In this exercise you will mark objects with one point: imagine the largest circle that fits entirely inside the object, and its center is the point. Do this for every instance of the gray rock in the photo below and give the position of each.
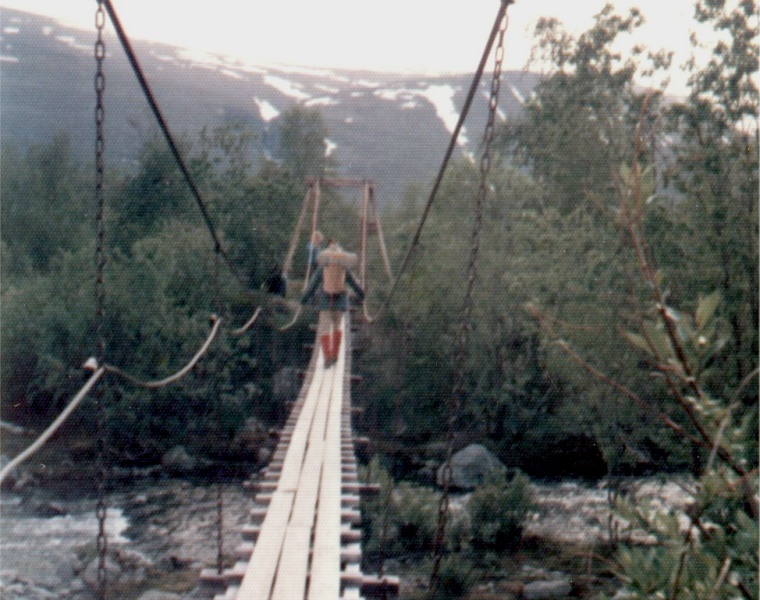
(263, 455)
(286, 384)
(159, 595)
(178, 461)
(471, 467)
(547, 590)
(250, 436)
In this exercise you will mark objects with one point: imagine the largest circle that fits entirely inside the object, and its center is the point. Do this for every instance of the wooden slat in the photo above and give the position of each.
(325, 571)
(291, 575)
(259, 576)
(307, 504)
(292, 572)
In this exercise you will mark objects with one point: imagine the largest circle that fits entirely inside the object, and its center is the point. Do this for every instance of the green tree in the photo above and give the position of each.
(576, 126)
(302, 143)
(44, 208)
(715, 175)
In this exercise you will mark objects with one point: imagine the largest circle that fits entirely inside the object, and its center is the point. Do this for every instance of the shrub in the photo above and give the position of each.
(455, 578)
(497, 512)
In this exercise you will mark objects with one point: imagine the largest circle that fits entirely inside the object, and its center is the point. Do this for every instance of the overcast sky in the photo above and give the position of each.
(426, 36)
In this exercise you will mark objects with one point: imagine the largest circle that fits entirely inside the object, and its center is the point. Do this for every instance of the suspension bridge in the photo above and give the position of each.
(303, 535)
(303, 540)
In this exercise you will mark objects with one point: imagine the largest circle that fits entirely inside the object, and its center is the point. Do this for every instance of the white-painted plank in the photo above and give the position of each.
(259, 575)
(291, 575)
(325, 571)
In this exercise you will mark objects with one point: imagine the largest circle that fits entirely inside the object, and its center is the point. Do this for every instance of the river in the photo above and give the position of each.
(163, 531)
(157, 529)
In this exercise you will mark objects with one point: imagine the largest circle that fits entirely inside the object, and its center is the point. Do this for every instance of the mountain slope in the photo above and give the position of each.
(392, 128)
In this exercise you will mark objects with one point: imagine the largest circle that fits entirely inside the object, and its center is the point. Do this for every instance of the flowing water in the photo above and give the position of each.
(159, 529)
(47, 538)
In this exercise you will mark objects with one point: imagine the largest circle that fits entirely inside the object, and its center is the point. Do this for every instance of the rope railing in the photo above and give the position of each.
(99, 371)
(179, 374)
(292, 321)
(54, 426)
(249, 323)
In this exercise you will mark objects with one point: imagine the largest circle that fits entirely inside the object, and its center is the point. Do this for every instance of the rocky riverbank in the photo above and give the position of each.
(163, 531)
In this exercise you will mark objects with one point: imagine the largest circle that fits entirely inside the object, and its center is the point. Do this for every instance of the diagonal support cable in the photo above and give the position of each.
(449, 151)
(165, 130)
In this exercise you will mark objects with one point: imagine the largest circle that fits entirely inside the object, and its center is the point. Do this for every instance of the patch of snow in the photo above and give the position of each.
(323, 101)
(391, 95)
(204, 60)
(366, 83)
(326, 88)
(8, 59)
(501, 114)
(348, 120)
(163, 57)
(231, 73)
(316, 72)
(516, 93)
(442, 99)
(11, 30)
(286, 87)
(357, 94)
(330, 147)
(266, 110)
(409, 105)
(47, 30)
(252, 69)
(72, 42)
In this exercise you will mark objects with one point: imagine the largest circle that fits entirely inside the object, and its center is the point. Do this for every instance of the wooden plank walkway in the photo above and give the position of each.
(305, 544)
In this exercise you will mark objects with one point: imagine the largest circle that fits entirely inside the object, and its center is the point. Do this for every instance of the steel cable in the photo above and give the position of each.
(454, 405)
(167, 134)
(447, 156)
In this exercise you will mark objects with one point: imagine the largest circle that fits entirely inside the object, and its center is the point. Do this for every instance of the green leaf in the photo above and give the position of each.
(706, 309)
(638, 341)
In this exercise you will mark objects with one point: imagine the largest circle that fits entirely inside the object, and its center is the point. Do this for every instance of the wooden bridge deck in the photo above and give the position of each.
(305, 545)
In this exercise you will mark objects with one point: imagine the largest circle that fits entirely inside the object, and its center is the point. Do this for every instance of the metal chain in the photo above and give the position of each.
(219, 529)
(100, 85)
(455, 402)
(217, 375)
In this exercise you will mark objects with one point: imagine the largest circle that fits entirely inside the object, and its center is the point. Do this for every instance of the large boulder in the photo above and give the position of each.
(286, 384)
(472, 467)
(178, 461)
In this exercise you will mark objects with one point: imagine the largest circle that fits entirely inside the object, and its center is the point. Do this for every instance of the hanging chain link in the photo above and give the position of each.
(219, 528)
(100, 261)
(454, 406)
(217, 375)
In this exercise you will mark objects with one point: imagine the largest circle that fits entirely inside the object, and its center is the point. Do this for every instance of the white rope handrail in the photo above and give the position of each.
(40, 441)
(293, 321)
(179, 374)
(249, 323)
(367, 317)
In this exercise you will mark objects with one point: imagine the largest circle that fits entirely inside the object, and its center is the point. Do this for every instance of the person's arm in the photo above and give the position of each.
(312, 287)
(354, 285)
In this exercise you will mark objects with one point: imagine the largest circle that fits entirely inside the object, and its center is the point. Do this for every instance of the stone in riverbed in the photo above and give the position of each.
(178, 461)
(472, 467)
(159, 595)
(547, 590)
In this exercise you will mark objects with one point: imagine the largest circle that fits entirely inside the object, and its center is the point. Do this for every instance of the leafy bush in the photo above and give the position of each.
(497, 512)
(455, 578)
(403, 518)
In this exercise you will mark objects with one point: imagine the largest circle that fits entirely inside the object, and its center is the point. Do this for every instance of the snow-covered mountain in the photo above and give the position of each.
(388, 127)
